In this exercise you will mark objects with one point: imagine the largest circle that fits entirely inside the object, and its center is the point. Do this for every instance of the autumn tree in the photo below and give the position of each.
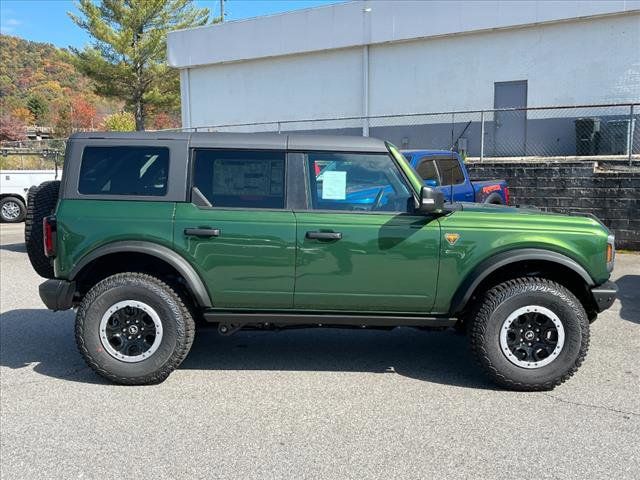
(45, 77)
(128, 58)
(163, 121)
(11, 128)
(82, 113)
(120, 122)
(62, 126)
(23, 115)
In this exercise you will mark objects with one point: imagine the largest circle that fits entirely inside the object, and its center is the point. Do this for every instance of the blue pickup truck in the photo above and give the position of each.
(446, 171)
(441, 169)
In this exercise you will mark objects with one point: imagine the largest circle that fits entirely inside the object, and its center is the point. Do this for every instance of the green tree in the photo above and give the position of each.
(120, 122)
(62, 126)
(128, 58)
(38, 108)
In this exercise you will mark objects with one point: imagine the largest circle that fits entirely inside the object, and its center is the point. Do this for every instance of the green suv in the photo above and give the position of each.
(151, 234)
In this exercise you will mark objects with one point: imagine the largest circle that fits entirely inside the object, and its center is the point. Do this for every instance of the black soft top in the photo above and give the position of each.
(263, 141)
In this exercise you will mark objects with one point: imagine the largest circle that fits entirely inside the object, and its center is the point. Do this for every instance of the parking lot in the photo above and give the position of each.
(309, 403)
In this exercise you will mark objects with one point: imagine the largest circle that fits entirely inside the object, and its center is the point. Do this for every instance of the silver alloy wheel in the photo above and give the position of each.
(532, 337)
(10, 210)
(130, 331)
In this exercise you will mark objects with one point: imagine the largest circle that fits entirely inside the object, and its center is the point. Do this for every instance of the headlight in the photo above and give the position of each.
(611, 252)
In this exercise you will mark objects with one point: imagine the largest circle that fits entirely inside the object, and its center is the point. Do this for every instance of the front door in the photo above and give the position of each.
(236, 232)
(510, 126)
(358, 248)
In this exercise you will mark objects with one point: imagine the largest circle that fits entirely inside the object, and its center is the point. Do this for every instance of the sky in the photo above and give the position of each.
(47, 20)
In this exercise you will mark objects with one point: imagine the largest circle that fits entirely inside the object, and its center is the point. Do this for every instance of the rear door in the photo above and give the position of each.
(359, 248)
(236, 231)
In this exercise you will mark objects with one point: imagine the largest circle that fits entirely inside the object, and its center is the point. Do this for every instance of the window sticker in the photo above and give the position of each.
(334, 185)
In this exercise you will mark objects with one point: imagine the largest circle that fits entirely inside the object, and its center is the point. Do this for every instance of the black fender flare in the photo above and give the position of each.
(194, 282)
(491, 264)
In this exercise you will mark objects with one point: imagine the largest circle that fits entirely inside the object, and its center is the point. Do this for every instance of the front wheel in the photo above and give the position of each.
(529, 334)
(133, 329)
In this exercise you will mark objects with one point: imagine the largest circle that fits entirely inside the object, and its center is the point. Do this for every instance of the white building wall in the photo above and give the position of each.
(356, 23)
(315, 85)
(590, 61)
(423, 57)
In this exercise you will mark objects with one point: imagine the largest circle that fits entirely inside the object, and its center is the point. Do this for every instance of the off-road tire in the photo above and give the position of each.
(41, 205)
(177, 324)
(21, 206)
(498, 303)
(28, 220)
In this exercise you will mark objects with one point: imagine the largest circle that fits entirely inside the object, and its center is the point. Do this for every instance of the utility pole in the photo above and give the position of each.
(221, 11)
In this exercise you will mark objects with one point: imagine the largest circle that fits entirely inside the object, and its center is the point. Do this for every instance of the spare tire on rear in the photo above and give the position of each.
(43, 203)
(28, 220)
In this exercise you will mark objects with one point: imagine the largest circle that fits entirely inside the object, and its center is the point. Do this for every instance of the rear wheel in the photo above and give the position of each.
(42, 205)
(530, 334)
(133, 329)
(12, 210)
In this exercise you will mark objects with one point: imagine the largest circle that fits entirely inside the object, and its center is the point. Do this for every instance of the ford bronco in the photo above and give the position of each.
(150, 234)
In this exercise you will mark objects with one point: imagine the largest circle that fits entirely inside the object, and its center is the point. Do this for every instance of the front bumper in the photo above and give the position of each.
(604, 295)
(57, 294)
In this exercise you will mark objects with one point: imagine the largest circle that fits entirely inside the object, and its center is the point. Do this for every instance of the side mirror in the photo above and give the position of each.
(431, 183)
(431, 200)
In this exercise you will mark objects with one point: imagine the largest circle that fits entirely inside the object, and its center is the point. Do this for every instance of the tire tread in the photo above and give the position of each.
(498, 294)
(185, 330)
(41, 205)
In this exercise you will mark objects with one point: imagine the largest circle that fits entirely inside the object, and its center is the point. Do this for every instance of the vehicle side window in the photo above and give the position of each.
(427, 169)
(358, 182)
(240, 178)
(140, 171)
(450, 171)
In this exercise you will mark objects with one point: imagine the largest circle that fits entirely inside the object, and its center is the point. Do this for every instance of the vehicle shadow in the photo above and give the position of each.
(436, 357)
(14, 247)
(45, 340)
(628, 288)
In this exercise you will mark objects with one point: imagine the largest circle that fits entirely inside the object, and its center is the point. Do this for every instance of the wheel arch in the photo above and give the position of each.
(160, 255)
(515, 263)
(494, 198)
(19, 196)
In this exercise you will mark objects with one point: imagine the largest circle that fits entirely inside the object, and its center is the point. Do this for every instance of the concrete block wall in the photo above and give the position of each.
(609, 190)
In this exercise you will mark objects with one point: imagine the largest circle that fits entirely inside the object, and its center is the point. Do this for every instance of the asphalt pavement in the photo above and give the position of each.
(309, 403)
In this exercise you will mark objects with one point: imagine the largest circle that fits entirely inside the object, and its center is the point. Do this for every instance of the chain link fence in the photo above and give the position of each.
(566, 131)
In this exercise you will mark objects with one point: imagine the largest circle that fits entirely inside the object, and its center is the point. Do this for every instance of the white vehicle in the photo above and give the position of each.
(14, 185)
